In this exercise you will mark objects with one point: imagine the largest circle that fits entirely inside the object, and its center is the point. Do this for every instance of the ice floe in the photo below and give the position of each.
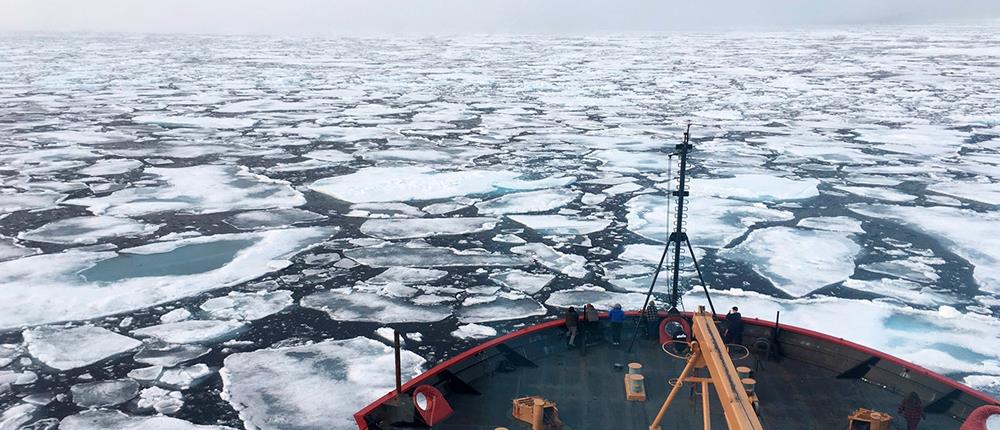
(291, 388)
(567, 264)
(832, 223)
(719, 221)
(161, 354)
(10, 250)
(757, 187)
(193, 331)
(967, 233)
(559, 224)
(345, 304)
(527, 202)
(410, 228)
(407, 276)
(162, 401)
(116, 166)
(599, 297)
(31, 292)
(71, 348)
(112, 419)
(390, 255)
(474, 331)
(184, 189)
(388, 184)
(183, 378)
(797, 261)
(988, 193)
(519, 280)
(248, 306)
(194, 121)
(102, 394)
(28, 201)
(88, 230)
(877, 193)
(499, 307)
(276, 218)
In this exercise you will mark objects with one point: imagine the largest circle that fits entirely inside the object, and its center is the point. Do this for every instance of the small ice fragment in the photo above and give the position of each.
(474, 331)
(248, 306)
(183, 378)
(104, 393)
(193, 331)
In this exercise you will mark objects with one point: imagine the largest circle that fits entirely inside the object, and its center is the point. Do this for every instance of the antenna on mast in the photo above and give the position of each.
(676, 237)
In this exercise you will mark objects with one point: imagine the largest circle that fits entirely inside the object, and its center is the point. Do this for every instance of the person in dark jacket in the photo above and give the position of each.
(617, 318)
(912, 410)
(572, 321)
(591, 328)
(651, 316)
(734, 326)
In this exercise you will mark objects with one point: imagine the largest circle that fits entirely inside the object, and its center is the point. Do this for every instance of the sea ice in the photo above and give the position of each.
(797, 261)
(599, 297)
(719, 221)
(71, 348)
(832, 223)
(292, 388)
(248, 306)
(183, 378)
(913, 269)
(562, 225)
(967, 233)
(9, 250)
(102, 394)
(567, 264)
(345, 304)
(499, 307)
(159, 353)
(389, 184)
(76, 285)
(407, 276)
(276, 218)
(519, 280)
(88, 230)
(988, 193)
(331, 155)
(385, 210)
(474, 331)
(531, 201)
(162, 401)
(116, 166)
(877, 193)
(184, 189)
(193, 331)
(195, 122)
(756, 187)
(111, 419)
(902, 290)
(409, 228)
(390, 255)
(28, 201)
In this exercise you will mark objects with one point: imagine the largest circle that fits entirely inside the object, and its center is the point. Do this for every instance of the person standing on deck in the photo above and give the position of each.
(617, 318)
(572, 321)
(734, 326)
(912, 410)
(651, 317)
(591, 327)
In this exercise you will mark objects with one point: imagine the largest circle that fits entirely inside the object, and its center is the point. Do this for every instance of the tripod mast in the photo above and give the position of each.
(678, 234)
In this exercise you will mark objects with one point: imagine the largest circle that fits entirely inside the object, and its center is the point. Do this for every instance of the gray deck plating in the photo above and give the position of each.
(589, 392)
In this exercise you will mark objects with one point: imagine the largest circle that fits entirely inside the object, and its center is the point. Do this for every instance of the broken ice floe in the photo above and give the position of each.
(519, 280)
(832, 223)
(275, 218)
(291, 387)
(407, 276)
(115, 166)
(389, 184)
(162, 401)
(559, 224)
(599, 297)
(568, 264)
(28, 201)
(389, 255)
(797, 261)
(32, 292)
(877, 193)
(88, 230)
(162, 354)
(248, 306)
(756, 187)
(184, 189)
(183, 378)
(345, 304)
(112, 419)
(102, 394)
(499, 307)
(719, 221)
(526, 202)
(474, 331)
(410, 228)
(193, 331)
(967, 233)
(71, 348)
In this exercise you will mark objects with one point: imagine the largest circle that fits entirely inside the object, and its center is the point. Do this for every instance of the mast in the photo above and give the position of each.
(679, 235)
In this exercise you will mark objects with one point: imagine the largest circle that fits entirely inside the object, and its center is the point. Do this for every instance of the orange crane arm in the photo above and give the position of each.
(739, 412)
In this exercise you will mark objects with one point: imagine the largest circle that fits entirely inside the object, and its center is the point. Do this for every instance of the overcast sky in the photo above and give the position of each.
(360, 17)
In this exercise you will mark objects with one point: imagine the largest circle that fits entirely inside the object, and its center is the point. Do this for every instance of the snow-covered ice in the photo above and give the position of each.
(499, 307)
(474, 331)
(193, 331)
(559, 224)
(112, 419)
(344, 304)
(390, 255)
(407, 276)
(527, 202)
(31, 292)
(410, 228)
(832, 223)
(567, 264)
(275, 218)
(248, 306)
(101, 394)
(71, 348)
(292, 387)
(159, 353)
(88, 230)
(519, 280)
(797, 261)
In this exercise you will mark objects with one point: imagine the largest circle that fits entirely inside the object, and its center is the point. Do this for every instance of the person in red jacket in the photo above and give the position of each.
(912, 410)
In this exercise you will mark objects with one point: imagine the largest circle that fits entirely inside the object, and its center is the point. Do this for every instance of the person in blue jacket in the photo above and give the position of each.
(617, 318)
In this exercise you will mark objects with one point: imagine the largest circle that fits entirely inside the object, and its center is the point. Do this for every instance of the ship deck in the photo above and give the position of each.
(588, 390)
